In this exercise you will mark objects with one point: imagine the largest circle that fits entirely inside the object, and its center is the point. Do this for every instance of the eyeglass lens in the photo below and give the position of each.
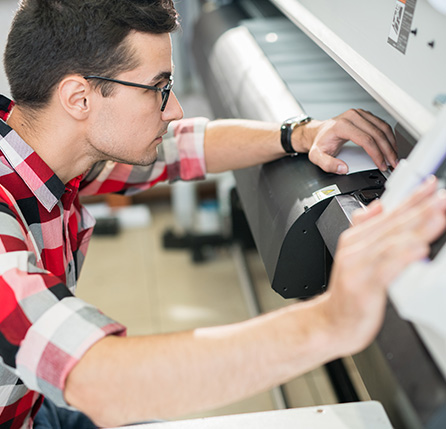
(165, 95)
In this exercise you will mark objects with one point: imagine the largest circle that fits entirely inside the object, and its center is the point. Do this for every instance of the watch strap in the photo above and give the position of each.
(287, 129)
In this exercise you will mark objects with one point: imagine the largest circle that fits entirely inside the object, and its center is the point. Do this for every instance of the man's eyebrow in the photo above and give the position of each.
(164, 75)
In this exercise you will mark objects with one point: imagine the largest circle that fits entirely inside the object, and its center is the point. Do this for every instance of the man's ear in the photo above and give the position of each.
(74, 92)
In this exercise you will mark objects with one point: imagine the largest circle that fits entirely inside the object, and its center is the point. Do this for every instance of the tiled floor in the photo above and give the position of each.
(131, 278)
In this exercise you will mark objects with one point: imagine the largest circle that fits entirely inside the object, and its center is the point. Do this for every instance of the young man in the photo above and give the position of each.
(91, 82)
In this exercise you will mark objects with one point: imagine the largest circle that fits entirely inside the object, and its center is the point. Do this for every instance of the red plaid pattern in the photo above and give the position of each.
(44, 235)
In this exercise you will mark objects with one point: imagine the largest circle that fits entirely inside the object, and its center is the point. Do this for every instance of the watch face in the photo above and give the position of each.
(297, 119)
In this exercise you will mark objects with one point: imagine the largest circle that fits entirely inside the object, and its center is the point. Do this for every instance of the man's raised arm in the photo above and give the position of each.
(231, 144)
(122, 380)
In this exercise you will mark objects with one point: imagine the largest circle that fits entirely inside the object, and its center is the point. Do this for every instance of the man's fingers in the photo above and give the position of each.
(389, 252)
(426, 189)
(381, 132)
(361, 215)
(382, 125)
(363, 129)
(395, 255)
(426, 219)
(422, 216)
(327, 162)
(347, 130)
(427, 223)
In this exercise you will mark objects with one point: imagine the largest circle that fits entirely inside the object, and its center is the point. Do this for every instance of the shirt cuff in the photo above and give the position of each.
(56, 342)
(183, 149)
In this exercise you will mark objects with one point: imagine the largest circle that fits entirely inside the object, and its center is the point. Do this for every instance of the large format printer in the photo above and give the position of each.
(273, 59)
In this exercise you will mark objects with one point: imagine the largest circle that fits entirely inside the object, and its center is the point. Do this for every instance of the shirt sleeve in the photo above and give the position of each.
(180, 157)
(44, 329)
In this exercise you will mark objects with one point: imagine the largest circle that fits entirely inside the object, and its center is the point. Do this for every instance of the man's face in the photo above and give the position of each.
(128, 126)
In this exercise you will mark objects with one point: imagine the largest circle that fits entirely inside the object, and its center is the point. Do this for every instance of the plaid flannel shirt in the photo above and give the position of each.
(44, 235)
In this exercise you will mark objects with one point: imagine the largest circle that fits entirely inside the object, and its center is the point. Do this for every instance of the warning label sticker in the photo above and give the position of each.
(401, 24)
(327, 192)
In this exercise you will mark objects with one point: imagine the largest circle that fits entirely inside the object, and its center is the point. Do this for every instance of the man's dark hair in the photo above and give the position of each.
(50, 39)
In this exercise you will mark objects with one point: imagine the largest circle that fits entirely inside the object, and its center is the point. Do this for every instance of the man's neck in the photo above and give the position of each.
(56, 145)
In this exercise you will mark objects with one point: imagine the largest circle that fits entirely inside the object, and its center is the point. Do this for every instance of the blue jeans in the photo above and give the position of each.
(51, 417)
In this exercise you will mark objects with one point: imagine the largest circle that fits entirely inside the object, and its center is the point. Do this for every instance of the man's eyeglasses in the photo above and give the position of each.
(165, 90)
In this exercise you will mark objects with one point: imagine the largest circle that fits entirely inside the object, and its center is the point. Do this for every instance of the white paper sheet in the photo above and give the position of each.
(356, 158)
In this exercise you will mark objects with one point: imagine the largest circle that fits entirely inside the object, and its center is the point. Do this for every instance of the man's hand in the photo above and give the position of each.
(324, 139)
(371, 255)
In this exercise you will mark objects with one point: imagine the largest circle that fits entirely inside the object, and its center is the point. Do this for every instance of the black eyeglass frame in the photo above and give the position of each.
(165, 90)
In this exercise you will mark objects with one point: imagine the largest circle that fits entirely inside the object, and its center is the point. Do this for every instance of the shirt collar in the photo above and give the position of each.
(37, 175)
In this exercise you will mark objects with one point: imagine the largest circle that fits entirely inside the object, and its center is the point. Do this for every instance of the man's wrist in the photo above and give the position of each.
(303, 137)
(315, 338)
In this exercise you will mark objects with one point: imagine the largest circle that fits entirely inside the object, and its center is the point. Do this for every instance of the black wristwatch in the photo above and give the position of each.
(287, 129)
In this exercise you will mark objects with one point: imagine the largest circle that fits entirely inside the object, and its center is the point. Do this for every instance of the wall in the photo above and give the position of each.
(7, 9)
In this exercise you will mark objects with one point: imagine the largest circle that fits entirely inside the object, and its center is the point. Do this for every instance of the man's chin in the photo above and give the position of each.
(146, 163)
(152, 157)
(138, 162)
